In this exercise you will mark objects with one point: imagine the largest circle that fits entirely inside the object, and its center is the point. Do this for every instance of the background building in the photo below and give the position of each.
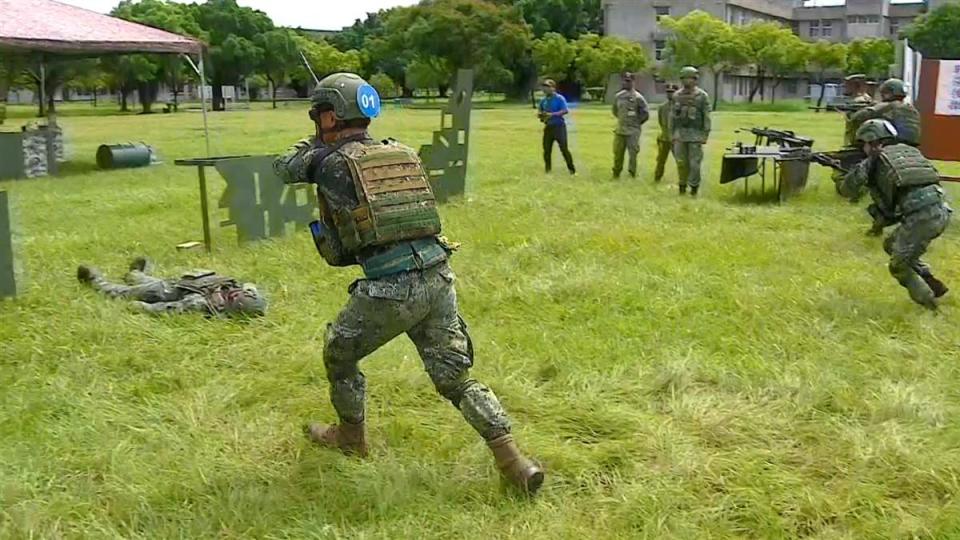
(637, 20)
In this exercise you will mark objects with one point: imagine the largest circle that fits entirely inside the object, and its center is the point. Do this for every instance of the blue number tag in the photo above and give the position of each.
(369, 101)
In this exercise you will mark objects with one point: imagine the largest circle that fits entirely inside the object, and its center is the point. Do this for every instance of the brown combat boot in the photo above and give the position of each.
(514, 466)
(351, 439)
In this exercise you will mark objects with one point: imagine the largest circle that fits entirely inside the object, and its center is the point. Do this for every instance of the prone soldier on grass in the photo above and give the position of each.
(199, 291)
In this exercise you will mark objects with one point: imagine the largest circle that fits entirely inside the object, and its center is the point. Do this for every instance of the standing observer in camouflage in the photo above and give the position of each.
(665, 137)
(904, 116)
(905, 187)
(200, 291)
(630, 110)
(378, 211)
(690, 123)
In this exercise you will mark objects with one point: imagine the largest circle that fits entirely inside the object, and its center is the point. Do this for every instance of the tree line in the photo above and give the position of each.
(768, 50)
(509, 44)
(400, 50)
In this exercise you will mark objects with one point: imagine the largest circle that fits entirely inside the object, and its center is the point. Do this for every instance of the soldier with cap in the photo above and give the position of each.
(551, 111)
(690, 125)
(379, 212)
(857, 97)
(201, 291)
(665, 137)
(630, 110)
(906, 188)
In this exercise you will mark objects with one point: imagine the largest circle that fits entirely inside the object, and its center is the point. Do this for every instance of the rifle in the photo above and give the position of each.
(846, 108)
(840, 160)
(780, 137)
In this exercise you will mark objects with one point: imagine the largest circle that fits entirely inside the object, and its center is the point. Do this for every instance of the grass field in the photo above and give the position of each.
(708, 368)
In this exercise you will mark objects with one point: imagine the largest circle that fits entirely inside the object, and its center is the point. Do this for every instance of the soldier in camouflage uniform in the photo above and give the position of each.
(665, 137)
(630, 110)
(904, 116)
(906, 188)
(378, 211)
(855, 91)
(200, 291)
(690, 123)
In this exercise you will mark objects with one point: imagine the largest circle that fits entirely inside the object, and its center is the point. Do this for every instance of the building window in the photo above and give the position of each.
(863, 19)
(661, 11)
(826, 28)
(814, 28)
(658, 48)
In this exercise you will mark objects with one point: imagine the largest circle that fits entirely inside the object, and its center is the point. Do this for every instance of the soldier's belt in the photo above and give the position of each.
(405, 256)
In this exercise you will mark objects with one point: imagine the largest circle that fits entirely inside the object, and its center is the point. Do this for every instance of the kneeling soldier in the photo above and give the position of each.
(905, 188)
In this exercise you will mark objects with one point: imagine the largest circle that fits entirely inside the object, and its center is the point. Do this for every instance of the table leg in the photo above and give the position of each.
(204, 208)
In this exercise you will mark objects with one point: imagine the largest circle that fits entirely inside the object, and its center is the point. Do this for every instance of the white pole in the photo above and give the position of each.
(203, 103)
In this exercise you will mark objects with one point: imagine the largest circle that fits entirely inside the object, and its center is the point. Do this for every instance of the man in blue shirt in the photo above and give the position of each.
(553, 107)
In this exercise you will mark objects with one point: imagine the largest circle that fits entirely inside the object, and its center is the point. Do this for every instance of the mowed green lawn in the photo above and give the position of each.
(707, 368)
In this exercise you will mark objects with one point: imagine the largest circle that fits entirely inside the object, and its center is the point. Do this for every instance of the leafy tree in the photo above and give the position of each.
(145, 73)
(794, 53)
(764, 49)
(232, 32)
(871, 57)
(937, 34)
(822, 57)
(355, 37)
(385, 86)
(700, 39)
(598, 57)
(323, 58)
(127, 73)
(11, 66)
(569, 18)
(426, 72)
(554, 56)
(281, 55)
(491, 38)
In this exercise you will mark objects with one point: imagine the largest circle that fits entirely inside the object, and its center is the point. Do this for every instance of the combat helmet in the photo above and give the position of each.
(894, 87)
(876, 130)
(246, 300)
(351, 97)
(689, 72)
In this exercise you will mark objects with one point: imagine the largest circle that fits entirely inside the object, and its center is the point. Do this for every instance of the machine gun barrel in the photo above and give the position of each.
(781, 137)
(842, 107)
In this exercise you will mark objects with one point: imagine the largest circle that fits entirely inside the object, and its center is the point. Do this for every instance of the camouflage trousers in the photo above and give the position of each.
(663, 152)
(689, 157)
(151, 294)
(909, 242)
(422, 304)
(629, 144)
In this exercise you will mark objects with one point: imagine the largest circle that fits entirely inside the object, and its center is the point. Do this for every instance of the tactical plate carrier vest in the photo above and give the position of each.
(396, 201)
(205, 282)
(900, 170)
(687, 112)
